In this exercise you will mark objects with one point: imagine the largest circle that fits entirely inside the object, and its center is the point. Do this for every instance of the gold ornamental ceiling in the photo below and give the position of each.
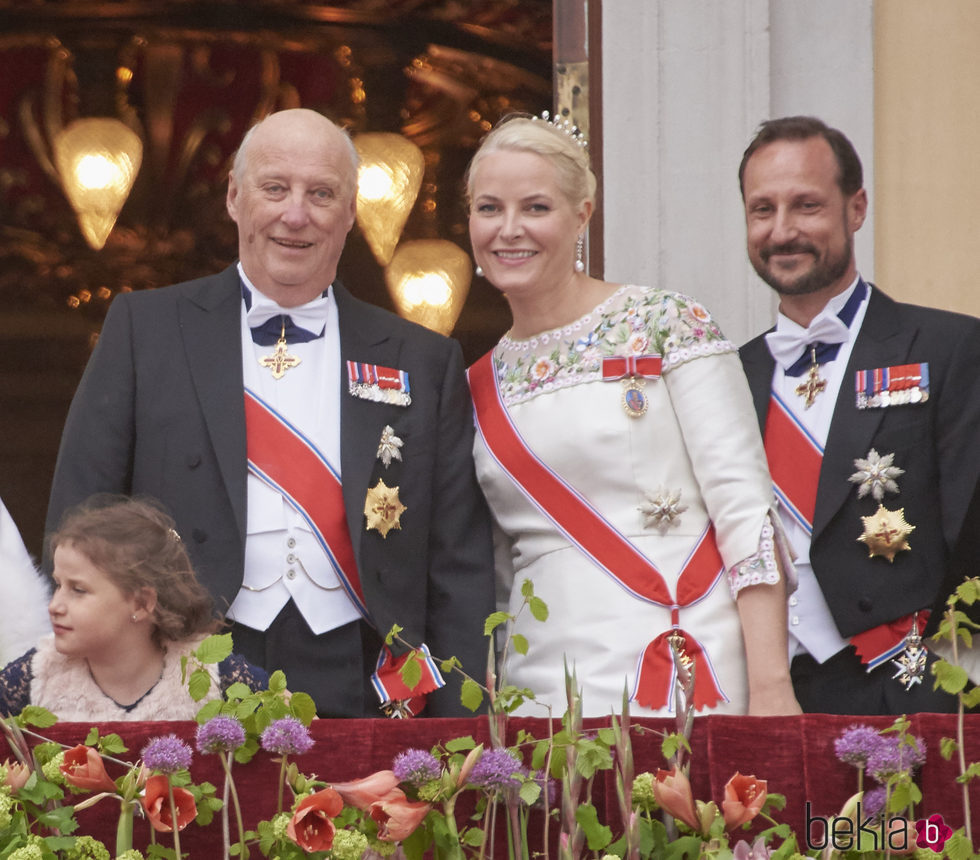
(191, 77)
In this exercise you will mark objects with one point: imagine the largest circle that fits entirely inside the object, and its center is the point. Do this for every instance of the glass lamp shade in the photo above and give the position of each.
(98, 159)
(428, 280)
(388, 182)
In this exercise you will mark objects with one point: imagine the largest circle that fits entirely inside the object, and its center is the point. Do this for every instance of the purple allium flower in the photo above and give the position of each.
(416, 766)
(873, 802)
(497, 768)
(756, 851)
(892, 757)
(857, 744)
(220, 734)
(287, 736)
(167, 754)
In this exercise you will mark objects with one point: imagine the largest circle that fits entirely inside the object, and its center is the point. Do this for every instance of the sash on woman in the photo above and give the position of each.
(609, 549)
(289, 462)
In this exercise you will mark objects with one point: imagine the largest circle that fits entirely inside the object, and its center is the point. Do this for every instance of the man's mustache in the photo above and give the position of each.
(788, 248)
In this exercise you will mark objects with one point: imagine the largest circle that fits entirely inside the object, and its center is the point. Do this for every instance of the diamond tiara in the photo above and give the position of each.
(564, 126)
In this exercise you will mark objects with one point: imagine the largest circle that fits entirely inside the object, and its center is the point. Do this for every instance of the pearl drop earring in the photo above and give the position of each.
(580, 253)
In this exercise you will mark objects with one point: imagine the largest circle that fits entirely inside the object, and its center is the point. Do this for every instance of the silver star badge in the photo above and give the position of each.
(876, 475)
(389, 446)
(662, 510)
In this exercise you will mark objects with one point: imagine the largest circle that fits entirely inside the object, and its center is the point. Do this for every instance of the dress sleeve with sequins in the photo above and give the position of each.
(15, 685)
(235, 669)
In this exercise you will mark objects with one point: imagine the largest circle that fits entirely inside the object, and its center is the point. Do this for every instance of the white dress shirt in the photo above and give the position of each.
(283, 559)
(811, 626)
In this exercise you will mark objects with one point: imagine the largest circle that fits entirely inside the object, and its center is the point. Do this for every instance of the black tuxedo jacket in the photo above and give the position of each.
(160, 411)
(937, 443)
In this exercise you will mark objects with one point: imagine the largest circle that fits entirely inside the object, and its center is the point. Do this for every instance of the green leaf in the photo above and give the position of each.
(947, 747)
(112, 744)
(199, 684)
(392, 634)
(672, 743)
(214, 649)
(471, 694)
(302, 706)
(461, 744)
(33, 715)
(527, 589)
(494, 620)
(971, 699)
(597, 835)
(958, 847)
(277, 682)
(592, 756)
(968, 591)
(539, 609)
(952, 679)
(529, 792)
(411, 670)
(520, 643)
(208, 711)
(238, 690)
(473, 837)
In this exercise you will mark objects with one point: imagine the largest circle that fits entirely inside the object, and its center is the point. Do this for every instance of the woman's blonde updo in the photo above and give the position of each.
(524, 133)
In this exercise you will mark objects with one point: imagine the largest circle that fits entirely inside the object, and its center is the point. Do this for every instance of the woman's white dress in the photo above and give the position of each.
(699, 438)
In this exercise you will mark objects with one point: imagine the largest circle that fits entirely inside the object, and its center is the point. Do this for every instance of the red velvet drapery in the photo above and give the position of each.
(794, 754)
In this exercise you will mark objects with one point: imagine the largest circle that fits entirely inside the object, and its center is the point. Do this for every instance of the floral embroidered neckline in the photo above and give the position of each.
(634, 320)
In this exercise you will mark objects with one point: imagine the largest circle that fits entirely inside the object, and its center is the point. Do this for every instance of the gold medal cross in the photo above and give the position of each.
(280, 361)
(813, 384)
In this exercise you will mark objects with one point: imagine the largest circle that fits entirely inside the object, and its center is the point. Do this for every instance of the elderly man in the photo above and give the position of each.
(315, 450)
(870, 409)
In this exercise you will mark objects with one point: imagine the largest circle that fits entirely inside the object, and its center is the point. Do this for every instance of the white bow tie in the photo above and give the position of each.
(312, 316)
(786, 347)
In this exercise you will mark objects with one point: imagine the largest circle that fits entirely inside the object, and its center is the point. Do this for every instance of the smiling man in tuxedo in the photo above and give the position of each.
(869, 409)
(314, 450)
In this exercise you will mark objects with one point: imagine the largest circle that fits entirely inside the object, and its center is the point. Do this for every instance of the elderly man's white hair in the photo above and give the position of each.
(238, 165)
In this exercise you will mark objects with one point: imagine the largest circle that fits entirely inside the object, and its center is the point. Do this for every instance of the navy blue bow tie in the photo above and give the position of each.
(824, 352)
(270, 331)
(279, 325)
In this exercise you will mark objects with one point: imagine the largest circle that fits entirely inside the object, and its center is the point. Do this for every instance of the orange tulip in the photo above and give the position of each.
(83, 768)
(17, 775)
(744, 797)
(397, 817)
(672, 791)
(156, 802)
(361, 793)
(311, 827)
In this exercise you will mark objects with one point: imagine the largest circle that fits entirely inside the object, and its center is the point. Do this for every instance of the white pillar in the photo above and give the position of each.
(685, 84)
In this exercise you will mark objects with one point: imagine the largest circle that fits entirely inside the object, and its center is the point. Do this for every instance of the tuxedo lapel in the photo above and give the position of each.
(882, 342)
(361, 420)
(210, 325)
(759, 366)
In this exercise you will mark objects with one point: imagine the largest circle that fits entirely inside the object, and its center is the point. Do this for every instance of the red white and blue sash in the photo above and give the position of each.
(794, 458)
(287, 461)
(609, 549)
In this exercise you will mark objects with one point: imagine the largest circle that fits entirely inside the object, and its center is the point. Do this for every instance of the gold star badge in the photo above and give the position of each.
(886, 532)
(383, 509)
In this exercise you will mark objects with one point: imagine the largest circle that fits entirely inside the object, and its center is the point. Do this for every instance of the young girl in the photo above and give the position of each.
(126, 607)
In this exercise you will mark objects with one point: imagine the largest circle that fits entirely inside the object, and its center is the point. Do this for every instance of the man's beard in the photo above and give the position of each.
(823, 274)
